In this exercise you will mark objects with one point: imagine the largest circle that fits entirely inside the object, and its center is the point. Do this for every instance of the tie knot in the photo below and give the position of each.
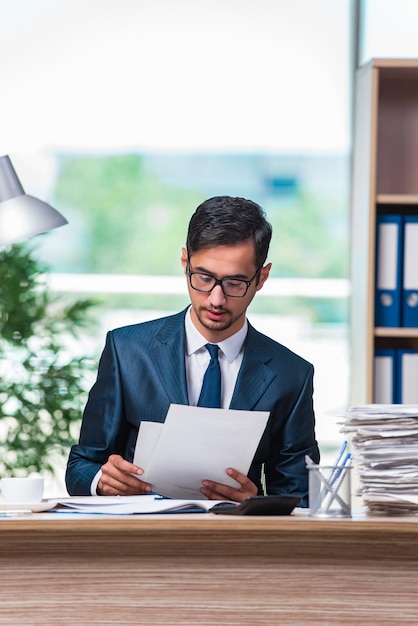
(213, 350)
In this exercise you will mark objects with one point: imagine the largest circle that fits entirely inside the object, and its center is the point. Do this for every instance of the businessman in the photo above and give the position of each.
(146, 367)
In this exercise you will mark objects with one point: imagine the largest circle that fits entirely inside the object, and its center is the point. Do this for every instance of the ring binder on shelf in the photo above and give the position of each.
(385, 377)
(410, 273)
(408, 377)
(389, 252)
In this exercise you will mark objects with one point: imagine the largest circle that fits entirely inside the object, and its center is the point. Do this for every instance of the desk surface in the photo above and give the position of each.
(298, 522)
(201, 569)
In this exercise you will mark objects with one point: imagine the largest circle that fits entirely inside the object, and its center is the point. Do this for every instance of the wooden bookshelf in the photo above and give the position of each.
(385, 181)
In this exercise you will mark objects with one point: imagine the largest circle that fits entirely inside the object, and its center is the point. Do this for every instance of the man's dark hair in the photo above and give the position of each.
(224, 221)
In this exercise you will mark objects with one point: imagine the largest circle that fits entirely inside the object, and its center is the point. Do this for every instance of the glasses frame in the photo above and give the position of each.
(219, 281)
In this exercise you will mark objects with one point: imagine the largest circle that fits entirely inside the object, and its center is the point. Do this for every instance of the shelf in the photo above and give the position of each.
(395, 332)
(386, 198)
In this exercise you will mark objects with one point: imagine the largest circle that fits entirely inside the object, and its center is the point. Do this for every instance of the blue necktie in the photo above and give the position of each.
(210, 395)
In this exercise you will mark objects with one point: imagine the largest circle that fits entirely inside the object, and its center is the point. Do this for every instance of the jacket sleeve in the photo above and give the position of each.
(292, 438)
(103, 428)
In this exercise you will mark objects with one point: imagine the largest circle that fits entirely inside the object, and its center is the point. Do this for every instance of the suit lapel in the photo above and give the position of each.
(168, 358)
(254, 376)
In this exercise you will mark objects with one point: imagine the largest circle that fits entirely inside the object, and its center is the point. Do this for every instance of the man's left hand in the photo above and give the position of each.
(218, 491)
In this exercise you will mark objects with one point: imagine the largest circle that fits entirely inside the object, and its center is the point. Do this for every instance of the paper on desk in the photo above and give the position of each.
(130, 505)
(196, 443)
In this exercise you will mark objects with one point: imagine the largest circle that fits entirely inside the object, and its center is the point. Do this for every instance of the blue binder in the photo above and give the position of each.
(386, 377)
(389, 257)
(410, 273)
(407, 382)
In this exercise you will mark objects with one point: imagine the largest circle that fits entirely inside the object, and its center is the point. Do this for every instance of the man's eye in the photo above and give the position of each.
(233, 284)
(205, 279)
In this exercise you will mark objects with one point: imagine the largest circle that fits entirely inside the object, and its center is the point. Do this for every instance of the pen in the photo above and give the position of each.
(341, 452)
(331, 477)
(338, 480)
(310, 461)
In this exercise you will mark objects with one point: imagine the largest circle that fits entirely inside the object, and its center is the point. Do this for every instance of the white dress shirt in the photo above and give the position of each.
(230, 355)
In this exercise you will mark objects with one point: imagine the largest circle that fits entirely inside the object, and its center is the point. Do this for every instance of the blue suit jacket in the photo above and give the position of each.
(142, 371)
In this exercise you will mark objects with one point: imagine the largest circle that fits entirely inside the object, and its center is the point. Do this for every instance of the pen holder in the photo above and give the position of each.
(329, 491)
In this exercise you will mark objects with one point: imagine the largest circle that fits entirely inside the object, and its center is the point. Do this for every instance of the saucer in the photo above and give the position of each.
(35, 507)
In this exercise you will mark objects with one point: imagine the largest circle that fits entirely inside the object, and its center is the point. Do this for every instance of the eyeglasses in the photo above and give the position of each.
(231, 287)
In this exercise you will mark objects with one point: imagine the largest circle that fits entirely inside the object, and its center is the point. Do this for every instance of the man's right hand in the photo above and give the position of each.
(117, 479)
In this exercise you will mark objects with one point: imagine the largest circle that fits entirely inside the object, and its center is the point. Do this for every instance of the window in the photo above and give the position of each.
(388, 29)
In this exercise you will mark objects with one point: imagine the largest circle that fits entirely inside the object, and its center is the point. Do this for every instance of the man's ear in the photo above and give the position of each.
(184, 259)
(264, 274)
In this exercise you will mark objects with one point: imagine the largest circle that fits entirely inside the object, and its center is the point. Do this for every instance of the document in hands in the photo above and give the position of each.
(195, 443)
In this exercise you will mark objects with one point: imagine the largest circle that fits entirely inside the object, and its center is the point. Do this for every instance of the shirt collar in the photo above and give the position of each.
(230, 347)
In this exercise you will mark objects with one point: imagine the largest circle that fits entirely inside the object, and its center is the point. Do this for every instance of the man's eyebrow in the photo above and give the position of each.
(203, 270)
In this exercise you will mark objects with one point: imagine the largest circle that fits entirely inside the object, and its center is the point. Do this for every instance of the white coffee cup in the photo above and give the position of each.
(29, 490)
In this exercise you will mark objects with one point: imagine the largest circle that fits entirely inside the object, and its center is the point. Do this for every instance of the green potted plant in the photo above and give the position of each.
(42, 381)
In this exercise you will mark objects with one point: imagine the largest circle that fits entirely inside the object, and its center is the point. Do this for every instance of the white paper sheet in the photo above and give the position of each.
(195, 443)
(131, 505)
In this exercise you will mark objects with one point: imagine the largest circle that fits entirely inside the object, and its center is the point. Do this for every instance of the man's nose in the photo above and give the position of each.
(217, 296)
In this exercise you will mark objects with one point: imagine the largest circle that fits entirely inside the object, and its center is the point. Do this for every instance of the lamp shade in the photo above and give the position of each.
(22, 215)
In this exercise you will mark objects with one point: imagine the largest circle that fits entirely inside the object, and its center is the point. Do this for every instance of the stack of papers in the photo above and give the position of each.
(385, 444)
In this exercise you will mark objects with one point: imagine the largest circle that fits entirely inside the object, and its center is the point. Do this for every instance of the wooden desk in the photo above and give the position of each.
(208, 570)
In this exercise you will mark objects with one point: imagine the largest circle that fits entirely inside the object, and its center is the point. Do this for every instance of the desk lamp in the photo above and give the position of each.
(22, 215)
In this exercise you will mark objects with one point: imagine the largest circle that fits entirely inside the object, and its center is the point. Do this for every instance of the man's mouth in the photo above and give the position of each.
(215, 314)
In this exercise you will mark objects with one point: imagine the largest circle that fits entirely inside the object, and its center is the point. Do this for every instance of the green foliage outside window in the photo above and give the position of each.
(133, 222)
(129, 220)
